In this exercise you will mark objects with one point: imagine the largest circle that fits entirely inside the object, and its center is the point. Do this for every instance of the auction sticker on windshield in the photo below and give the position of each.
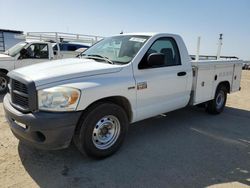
(136, 39)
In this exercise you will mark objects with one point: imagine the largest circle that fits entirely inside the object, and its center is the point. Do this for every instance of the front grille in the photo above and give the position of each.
(20, 95)
(18, 86)
(20, 100)
(22, 92)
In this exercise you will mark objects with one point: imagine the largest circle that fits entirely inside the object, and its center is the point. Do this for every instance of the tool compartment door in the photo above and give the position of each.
(236, 77)
(203, 84)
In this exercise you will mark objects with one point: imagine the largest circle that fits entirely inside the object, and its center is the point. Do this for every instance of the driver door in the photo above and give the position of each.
(35, 53)
(162, 88)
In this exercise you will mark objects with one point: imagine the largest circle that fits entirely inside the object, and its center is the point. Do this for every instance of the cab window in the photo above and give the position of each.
(166, 46)
(37, 51)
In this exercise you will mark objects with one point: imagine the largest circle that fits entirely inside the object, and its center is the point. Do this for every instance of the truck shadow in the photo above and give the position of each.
(187, 147)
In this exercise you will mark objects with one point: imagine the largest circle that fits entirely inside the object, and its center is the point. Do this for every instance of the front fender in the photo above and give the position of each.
(7, 64)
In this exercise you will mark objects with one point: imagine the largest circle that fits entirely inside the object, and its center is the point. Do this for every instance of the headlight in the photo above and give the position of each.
(58, 99)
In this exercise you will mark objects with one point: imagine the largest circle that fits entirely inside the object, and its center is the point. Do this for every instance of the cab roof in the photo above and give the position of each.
(150, 34)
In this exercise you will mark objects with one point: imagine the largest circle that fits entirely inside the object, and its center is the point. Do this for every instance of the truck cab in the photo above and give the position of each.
(165, 86)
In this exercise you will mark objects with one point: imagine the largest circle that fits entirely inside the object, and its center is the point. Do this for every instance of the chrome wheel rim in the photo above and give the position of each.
(106, 132)
(220, 100)
(3, 83)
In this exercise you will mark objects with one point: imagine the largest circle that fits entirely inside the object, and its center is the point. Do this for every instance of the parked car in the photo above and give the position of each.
(119, 80)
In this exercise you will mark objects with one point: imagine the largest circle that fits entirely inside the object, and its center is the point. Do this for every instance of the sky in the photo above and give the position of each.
(190, 19)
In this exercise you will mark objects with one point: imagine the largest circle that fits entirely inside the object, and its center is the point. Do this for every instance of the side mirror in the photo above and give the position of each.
(156, 59)
(23, 53)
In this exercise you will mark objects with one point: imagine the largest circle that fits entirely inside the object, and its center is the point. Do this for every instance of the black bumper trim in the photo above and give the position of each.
(56, 127)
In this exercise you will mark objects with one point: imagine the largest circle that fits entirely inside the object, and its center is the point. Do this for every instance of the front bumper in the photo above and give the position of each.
(44, 130)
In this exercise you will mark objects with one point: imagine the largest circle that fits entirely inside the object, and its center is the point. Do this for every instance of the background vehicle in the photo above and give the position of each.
(246, 65)
(40, 47)
(119, 80)
(70, 49)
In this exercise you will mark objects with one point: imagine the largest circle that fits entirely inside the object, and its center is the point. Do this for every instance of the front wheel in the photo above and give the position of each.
(101, 130)
(217, 105)
(3, 83)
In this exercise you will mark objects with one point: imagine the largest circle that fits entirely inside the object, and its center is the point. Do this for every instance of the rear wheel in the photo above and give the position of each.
(3, 83)
(101, 130)
(217, 105)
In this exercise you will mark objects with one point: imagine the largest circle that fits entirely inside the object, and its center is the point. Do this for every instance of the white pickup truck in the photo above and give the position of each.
(33, 52)
(119, 80)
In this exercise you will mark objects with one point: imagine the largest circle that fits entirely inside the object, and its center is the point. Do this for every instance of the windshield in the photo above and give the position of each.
(13, 51)
(117, 49)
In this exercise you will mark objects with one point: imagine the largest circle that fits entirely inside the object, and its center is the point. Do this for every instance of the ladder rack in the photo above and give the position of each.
(59, 37)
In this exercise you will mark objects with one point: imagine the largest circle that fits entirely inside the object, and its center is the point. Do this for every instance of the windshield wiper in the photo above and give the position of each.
(96, 56)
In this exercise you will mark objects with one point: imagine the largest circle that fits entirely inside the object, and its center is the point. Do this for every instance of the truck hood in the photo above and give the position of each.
(60, 70)
(5, 57)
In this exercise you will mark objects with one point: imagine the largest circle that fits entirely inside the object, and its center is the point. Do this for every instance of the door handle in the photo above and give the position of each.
(181, 73)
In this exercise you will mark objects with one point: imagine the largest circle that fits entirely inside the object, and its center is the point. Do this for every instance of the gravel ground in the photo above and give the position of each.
(187, 148)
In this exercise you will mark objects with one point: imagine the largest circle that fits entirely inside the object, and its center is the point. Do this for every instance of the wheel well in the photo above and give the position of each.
(226, 84)
(118, 100)
(4, 71)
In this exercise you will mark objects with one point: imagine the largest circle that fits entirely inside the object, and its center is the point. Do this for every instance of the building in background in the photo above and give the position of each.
(9, 38)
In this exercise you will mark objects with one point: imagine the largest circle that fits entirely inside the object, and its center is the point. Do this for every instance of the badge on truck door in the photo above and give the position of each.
(142, 85)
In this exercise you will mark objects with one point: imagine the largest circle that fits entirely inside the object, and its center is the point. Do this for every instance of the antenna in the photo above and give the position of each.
(198, 49)
(219, 46)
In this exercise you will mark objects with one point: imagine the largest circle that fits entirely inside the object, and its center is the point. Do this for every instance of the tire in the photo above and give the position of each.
(101, 130)
(216, 106)
(4, 80)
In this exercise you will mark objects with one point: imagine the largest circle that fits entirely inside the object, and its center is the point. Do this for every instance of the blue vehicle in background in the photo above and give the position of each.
(69, 46)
